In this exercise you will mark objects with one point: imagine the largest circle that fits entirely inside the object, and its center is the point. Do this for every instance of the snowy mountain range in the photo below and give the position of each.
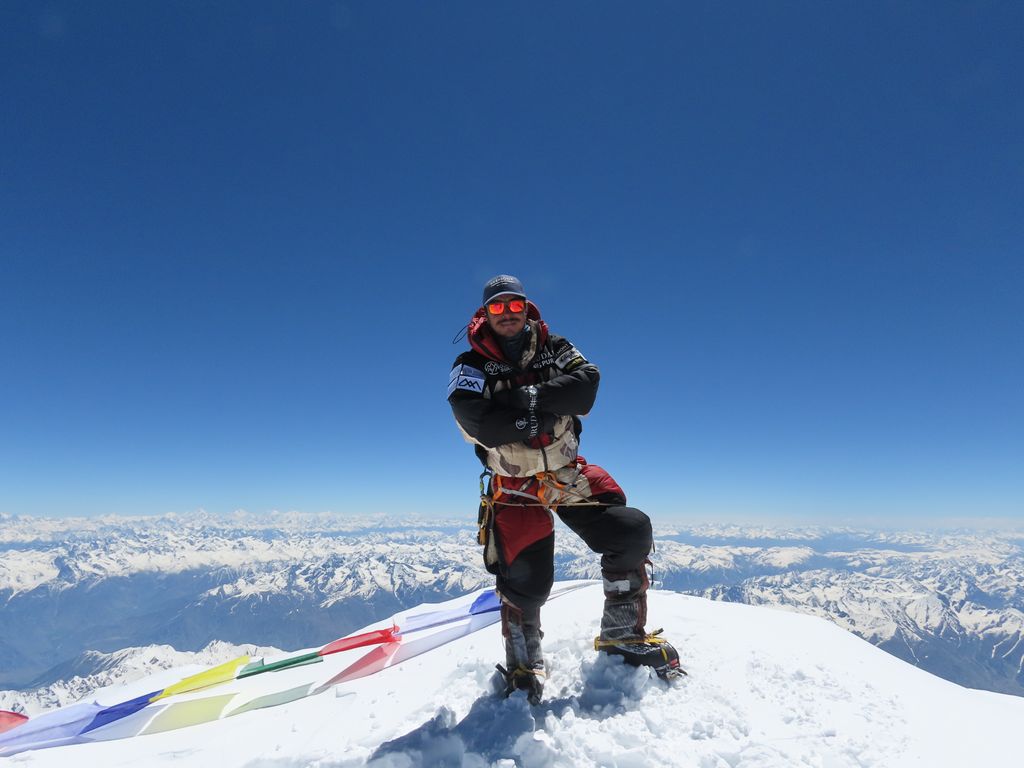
(93, 670)
(766, 688)
(73, 591)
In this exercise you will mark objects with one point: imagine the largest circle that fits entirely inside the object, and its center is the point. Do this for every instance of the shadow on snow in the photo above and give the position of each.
(494, 727)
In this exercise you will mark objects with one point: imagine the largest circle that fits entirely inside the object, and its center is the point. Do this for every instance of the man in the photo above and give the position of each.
(518, 395)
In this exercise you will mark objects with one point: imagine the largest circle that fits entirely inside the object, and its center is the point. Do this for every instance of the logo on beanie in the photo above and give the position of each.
(502, 284)
(502, 280)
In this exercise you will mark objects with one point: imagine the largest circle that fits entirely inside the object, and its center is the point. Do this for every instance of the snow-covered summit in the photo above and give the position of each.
(766, 689)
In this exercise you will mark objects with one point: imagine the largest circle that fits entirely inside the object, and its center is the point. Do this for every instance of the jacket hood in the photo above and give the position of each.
(482, 338)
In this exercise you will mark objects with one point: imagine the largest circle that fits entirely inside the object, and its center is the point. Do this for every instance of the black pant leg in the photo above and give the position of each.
(624, 538)
(526, 581)
(621, 535)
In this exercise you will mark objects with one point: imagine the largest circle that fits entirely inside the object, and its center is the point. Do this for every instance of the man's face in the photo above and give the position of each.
(506, 323)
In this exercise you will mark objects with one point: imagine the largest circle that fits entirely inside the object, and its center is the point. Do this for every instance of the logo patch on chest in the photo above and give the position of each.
(544, 360)
(493, 368)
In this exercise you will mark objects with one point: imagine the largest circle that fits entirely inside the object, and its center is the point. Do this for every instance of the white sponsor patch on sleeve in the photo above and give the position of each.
(571, 358)
(466, 377)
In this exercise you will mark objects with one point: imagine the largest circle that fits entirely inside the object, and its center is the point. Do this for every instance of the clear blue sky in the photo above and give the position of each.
(236, 240)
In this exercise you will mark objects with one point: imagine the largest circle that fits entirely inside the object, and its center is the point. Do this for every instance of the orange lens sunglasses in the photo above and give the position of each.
(498, 307)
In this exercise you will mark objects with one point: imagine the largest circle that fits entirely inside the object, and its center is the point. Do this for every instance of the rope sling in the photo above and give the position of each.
(548, 497)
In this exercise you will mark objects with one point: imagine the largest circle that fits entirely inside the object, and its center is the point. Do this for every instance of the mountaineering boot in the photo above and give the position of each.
(622, 626)
(524, 660)
(645, 651)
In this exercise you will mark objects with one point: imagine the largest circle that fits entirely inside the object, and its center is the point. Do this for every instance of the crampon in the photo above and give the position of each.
(529, 679)
(648, 651)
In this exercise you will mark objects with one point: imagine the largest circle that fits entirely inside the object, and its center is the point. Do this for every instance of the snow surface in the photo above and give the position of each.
(766, 688)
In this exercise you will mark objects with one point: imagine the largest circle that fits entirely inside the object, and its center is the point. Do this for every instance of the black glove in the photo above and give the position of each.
(518, 398)
(502, 398)
(523, 398)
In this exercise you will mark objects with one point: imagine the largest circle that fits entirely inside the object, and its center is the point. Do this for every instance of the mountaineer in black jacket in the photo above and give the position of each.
(518, 395)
